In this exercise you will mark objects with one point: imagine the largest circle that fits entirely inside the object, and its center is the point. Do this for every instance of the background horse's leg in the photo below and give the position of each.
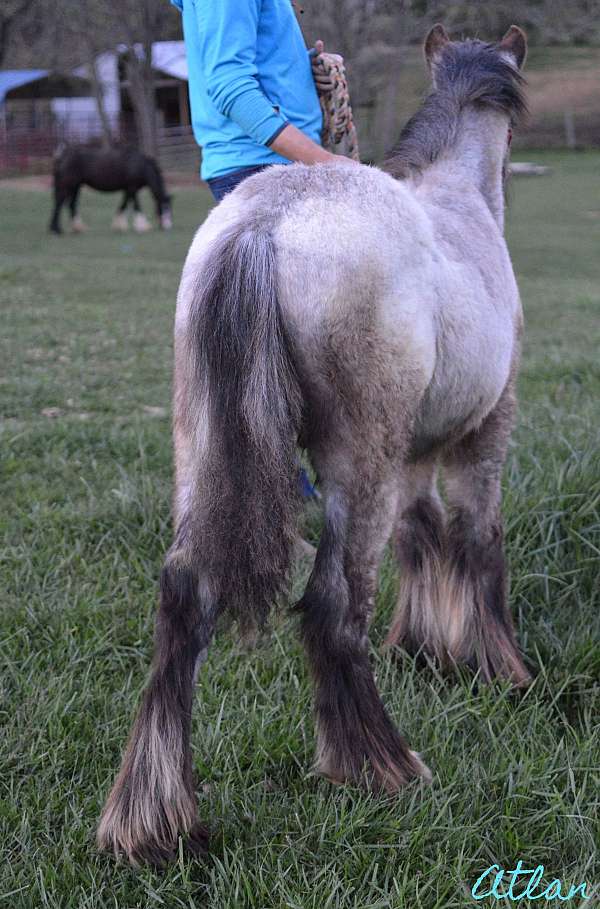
(60, 197)
(119, 222)
(477, 585)
(140, 221)
(77, 224)
(356, 739)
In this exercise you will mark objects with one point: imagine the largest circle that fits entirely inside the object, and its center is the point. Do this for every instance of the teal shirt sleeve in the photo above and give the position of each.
(228, 32)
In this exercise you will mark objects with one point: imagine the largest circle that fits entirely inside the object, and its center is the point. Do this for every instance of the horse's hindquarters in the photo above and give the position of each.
(473, 364)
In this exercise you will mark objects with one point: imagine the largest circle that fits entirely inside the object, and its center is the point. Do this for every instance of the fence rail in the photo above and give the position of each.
(25, 150)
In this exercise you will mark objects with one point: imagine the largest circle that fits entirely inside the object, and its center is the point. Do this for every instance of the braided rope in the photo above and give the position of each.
(338, 122)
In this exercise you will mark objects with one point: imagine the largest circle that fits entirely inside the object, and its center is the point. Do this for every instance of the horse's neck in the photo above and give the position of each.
(477, 157)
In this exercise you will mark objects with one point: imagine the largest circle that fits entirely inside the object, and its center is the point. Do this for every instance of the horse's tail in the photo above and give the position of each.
(245, 391)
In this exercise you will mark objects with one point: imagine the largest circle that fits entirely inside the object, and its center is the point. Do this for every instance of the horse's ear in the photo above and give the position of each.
(515, 44)
(435, 42)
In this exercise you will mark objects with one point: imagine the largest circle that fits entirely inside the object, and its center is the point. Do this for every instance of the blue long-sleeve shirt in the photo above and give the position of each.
(249, 76)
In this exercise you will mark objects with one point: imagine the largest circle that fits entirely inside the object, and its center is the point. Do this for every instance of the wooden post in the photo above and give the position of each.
(570, 136)
(184, 104)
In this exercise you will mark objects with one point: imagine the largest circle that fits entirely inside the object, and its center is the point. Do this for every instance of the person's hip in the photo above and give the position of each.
(220, 186)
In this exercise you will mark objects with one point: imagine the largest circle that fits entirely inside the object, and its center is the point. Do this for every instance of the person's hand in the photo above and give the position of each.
(323, 82)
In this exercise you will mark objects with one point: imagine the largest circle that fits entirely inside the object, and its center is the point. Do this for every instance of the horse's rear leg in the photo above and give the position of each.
(119, 222)
(140, 221)
(356, 739)
(420, 620)
(77, 225)
(477, 581)
(153, 801)
(453, 593)
(60, 197)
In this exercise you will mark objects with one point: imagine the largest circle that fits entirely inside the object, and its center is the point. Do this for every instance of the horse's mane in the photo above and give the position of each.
(470, 72)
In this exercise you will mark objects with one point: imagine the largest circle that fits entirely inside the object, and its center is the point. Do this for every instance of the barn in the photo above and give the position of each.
(39, 109)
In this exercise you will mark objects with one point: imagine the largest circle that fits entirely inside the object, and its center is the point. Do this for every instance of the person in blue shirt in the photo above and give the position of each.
(252, 94)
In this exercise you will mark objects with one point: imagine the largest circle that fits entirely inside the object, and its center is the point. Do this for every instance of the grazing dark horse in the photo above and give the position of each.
(108, 170)
(402, 366)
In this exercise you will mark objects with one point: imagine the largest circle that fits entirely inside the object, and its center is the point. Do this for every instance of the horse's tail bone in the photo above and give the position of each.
(248, 490)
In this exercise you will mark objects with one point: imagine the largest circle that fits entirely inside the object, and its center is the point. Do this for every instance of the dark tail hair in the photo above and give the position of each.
(248, 493)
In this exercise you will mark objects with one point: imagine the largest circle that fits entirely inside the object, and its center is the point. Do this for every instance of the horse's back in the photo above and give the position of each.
(106, 170)
(348, 253)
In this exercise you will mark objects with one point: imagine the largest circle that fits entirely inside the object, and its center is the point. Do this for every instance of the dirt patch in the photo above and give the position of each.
(35, 182)
(560, 90)
(43, 182)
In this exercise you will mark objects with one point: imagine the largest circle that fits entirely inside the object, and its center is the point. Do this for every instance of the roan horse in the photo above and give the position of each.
(108, 170)
(402, 363)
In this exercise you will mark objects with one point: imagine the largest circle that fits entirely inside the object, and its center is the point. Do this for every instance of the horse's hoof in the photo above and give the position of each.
(153, 853)
(77, 226)
(120, 223)
(385, 768)
(197, 842)
(421, 768)
(141, 225)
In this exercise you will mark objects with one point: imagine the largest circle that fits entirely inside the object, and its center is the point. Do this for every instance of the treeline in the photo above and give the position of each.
(371, 34)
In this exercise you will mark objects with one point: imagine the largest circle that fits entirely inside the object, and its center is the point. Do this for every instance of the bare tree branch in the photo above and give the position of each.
(12, 14)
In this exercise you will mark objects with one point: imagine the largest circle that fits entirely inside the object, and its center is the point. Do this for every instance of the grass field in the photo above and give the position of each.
(86, 464)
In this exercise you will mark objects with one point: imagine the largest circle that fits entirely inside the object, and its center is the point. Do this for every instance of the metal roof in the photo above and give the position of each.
(167, 56)
(15, 78)
(170, 58)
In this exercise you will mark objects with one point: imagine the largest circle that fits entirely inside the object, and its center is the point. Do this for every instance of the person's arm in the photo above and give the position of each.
(293, 144)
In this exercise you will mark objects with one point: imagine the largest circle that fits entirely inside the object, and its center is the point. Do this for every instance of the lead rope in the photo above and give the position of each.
(338, 122)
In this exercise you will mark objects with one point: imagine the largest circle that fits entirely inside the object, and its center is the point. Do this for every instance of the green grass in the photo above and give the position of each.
(86, 464)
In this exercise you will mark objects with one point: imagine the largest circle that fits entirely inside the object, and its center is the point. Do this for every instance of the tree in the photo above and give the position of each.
(372, 36)
(13, 14)
(76, 32)
(139, 24)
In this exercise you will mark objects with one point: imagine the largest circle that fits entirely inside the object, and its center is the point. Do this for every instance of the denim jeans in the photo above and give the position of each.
(220, 186)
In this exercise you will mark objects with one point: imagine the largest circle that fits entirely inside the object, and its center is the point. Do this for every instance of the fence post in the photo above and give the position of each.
(570, 137)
